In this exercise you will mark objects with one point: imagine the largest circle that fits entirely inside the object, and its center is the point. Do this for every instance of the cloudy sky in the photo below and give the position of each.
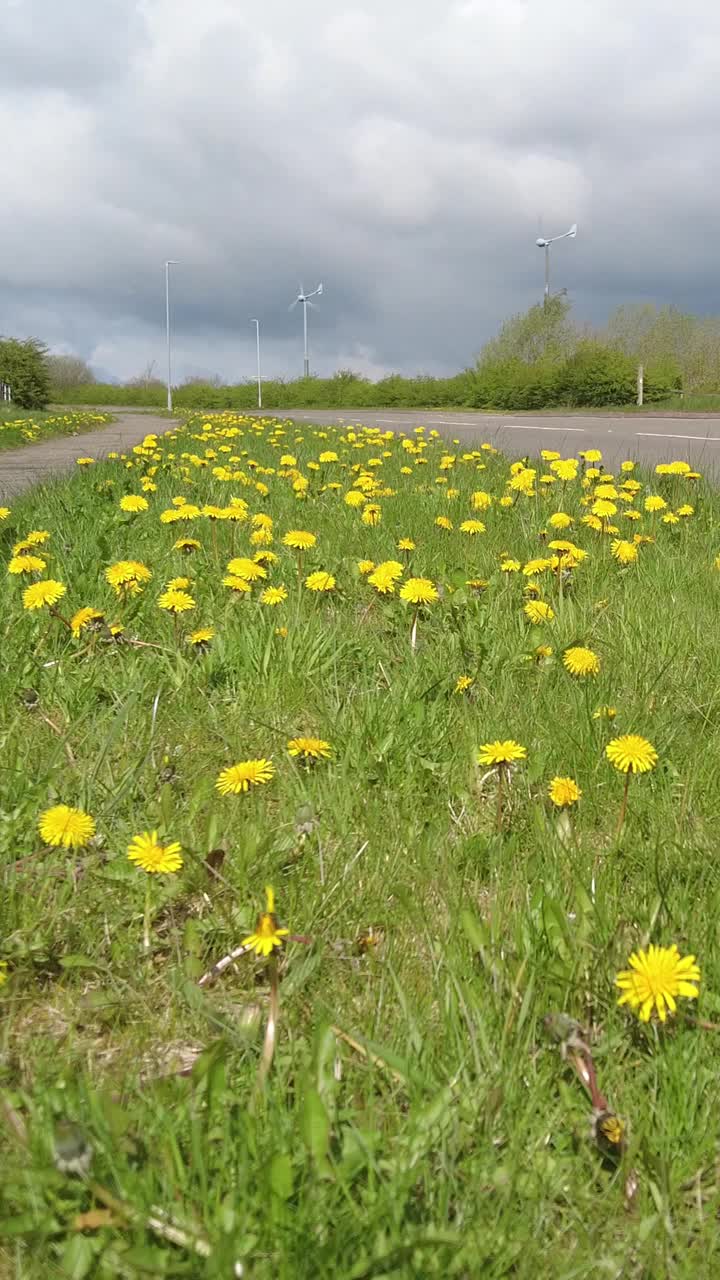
(405, 152)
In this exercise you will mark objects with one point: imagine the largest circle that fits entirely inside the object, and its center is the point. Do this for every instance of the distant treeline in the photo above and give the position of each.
(591, 377)
(539, 360)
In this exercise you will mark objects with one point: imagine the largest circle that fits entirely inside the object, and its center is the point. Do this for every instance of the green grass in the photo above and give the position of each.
(441, 1134)
(19, 427)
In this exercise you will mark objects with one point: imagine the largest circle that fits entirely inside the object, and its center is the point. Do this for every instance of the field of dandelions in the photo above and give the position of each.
(358, 844)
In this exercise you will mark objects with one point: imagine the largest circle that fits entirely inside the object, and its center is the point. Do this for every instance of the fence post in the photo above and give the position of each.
(640, 383)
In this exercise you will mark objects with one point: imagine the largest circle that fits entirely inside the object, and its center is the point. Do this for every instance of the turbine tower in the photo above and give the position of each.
(305, 299)
(543, 243)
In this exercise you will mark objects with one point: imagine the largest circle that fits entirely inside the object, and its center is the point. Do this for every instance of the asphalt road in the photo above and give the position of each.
(661, 438)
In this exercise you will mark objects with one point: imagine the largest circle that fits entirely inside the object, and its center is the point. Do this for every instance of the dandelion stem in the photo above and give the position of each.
(146, 919)
(56, 614)
(268, 1051)
(413, 631)
(623, 806)
(499, 813)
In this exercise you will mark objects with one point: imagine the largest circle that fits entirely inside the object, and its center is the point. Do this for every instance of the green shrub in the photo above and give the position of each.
(596, 375)
(23, 365)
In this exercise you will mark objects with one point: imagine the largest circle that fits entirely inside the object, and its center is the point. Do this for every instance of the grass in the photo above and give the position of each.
(18, 427)
(417, 1118)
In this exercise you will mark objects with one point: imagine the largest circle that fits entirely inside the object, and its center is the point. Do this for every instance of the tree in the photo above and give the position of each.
(68, 371)
(23, 366)
(542, 333)
(147, 378)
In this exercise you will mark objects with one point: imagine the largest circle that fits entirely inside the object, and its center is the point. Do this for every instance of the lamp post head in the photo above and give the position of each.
(542, 244)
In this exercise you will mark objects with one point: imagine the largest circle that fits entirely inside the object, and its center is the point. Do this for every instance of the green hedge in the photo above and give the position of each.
(594, 375)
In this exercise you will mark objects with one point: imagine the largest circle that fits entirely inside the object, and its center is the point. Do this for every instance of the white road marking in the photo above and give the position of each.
(444, 422)
(662, 435)
(517, 426)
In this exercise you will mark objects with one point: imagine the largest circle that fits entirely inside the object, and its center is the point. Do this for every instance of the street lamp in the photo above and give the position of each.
(545, 244)
(259, 380)
(171, 262)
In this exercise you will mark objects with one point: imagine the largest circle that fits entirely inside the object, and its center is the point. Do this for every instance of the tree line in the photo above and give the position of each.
(541, 358)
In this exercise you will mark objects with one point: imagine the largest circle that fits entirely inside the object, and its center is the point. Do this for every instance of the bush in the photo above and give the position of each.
(596, 375)
(23, 366)
(512, 384)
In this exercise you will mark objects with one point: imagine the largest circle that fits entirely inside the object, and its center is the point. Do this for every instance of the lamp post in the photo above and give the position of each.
(259, 379)
(543, 243)
(171, 262)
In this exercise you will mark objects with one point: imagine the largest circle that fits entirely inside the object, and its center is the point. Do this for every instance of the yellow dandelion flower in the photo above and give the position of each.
(372, 514)
(503, 752)
(564, 792)
(187, 545)
(538, 612)
(631, 754)
(176, 601)
(309, 749)
(299, 539)
(419, 591)
(580, 661)
(45, 592)
(385, 576)
(240, 586)
(268, 936)
(655, 978)
(365, 566)
(63, 825)
(201, 638)
(26, 564)
(320, 581)
(604, 508)
(443, 522)
(624, 552)
(86, 617)
(472, 527)
(274, 595)
(127, 575)
(565, 469)
(147, 853)
(133, 503)
(250, 570)
(463, 683)
(654, 503)
(239, 778)
(406, 544)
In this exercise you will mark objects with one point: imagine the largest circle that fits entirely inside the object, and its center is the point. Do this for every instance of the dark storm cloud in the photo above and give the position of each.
(403, 153)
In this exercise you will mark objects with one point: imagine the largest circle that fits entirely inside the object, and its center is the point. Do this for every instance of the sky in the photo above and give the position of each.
(406, 153)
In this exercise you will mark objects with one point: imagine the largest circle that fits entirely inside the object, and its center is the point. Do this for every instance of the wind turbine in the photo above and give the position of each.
(305, 299)
(543, 243)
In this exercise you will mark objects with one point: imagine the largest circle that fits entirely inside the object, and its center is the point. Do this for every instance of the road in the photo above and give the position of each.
(638, 436)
